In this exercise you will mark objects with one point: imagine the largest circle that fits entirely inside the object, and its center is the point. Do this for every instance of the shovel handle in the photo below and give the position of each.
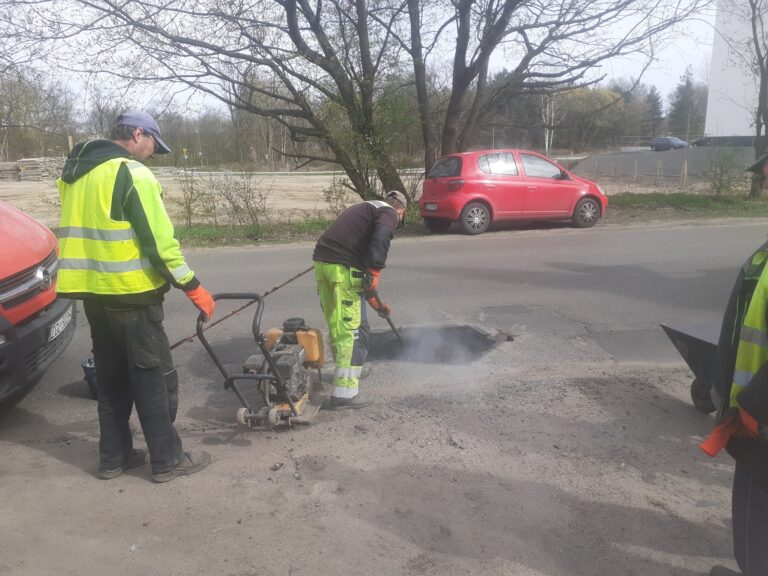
(387, 318)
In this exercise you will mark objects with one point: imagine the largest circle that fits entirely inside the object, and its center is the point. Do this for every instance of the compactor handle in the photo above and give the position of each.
(252, 297)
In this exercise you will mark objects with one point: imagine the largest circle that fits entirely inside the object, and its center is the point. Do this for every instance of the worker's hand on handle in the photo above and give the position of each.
(382, 309)
(372, 280)
(203, 300)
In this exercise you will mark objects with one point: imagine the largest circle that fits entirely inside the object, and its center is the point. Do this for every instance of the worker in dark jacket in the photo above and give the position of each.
(118, 254)
(740, 383)
(349, 257)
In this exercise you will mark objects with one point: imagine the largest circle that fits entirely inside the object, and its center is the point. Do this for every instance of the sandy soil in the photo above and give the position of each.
(290, 195)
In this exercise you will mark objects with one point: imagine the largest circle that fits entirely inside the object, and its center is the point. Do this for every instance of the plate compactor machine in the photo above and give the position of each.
(283, 378)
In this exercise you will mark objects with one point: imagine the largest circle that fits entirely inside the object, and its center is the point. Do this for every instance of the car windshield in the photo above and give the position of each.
(446, 168)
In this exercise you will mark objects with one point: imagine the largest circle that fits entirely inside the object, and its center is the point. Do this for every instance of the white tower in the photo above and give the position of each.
(732, 83)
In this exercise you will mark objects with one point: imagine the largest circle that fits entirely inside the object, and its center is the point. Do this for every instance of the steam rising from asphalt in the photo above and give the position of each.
(431, 345)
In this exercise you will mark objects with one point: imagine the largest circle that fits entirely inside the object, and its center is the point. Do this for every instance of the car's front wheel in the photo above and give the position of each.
(437, 225)
(586, 213)
(475, 218)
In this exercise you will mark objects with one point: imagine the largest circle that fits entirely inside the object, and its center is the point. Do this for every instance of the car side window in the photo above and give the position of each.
(446, 168)
(536, 167)
(498, 163)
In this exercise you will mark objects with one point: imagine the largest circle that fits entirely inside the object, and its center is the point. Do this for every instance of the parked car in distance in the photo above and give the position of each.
(485, 186)
(746, 141)
(668, 143)
(35, 326)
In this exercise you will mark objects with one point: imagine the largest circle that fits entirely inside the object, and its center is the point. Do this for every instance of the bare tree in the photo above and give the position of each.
(548, 119)
(316, 68)
(551, 44)
(37, 111)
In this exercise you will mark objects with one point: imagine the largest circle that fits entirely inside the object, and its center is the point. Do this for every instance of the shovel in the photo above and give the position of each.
(387, 317)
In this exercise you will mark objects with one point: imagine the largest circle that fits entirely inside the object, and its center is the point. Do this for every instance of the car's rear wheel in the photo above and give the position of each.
(586, 214)
(475, 218)
(437, 225)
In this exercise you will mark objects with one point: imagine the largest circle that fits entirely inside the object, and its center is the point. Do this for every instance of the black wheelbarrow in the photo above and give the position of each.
(697, 345)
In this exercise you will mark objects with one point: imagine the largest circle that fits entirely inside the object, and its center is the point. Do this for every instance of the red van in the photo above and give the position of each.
(485, 186)
(35, 326)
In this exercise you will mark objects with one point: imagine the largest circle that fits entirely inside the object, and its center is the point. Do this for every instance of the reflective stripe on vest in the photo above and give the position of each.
(93, 234)
(378, 204)
(752, 352)
(99, 255)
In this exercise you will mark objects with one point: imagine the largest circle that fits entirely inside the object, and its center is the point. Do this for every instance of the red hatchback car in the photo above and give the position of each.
(477, 188)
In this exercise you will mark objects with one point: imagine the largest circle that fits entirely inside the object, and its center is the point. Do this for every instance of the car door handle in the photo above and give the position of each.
(489, 187)
(533, 188)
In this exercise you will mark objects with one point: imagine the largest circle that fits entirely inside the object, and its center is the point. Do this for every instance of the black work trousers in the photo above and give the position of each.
(134, 367)
(750, 508)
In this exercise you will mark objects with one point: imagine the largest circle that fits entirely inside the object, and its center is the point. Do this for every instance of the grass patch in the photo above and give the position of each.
(685, 205)
(621, 208)
(210, 235)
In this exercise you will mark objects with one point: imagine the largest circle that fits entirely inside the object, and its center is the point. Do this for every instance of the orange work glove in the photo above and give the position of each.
(382, 309)
(371, 283)
(203, 300)
(373, 276)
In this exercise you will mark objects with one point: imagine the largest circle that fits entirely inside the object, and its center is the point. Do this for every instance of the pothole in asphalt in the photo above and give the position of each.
(434, 345)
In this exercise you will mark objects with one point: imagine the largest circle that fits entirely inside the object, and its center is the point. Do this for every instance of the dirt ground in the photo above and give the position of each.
(291, 195)
(579, 472)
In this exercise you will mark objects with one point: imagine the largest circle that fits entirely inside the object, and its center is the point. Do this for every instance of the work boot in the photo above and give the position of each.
(358, 401)
(723, 571)
(365, 371)
(190, 463)
(136, 458)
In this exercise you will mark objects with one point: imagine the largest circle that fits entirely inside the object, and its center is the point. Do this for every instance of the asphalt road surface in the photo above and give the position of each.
(568, 447)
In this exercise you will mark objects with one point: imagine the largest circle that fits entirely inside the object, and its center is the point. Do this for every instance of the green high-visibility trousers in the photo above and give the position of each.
(341, 296)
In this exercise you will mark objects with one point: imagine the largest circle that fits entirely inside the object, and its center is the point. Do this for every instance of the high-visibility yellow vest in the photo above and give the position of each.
(99, 255)
(752, 351)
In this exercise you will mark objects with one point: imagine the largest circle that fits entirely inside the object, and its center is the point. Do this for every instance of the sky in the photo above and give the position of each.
(692, 46)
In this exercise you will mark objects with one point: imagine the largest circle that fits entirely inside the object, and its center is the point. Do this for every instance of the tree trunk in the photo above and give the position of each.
(761, 146)
(761, 114)
(420, 76)
(472, 124)
(758, 178)
(388, 176)
(452, 124)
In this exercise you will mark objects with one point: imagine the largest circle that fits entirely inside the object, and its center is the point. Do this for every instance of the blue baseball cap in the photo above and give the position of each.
(140, 119)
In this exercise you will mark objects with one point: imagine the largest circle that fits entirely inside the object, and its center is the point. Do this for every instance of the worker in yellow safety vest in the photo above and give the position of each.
(740, 385)
(118, 254)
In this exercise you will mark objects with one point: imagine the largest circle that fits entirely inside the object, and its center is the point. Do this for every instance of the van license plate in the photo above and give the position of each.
(431, 207)
(58, 327)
